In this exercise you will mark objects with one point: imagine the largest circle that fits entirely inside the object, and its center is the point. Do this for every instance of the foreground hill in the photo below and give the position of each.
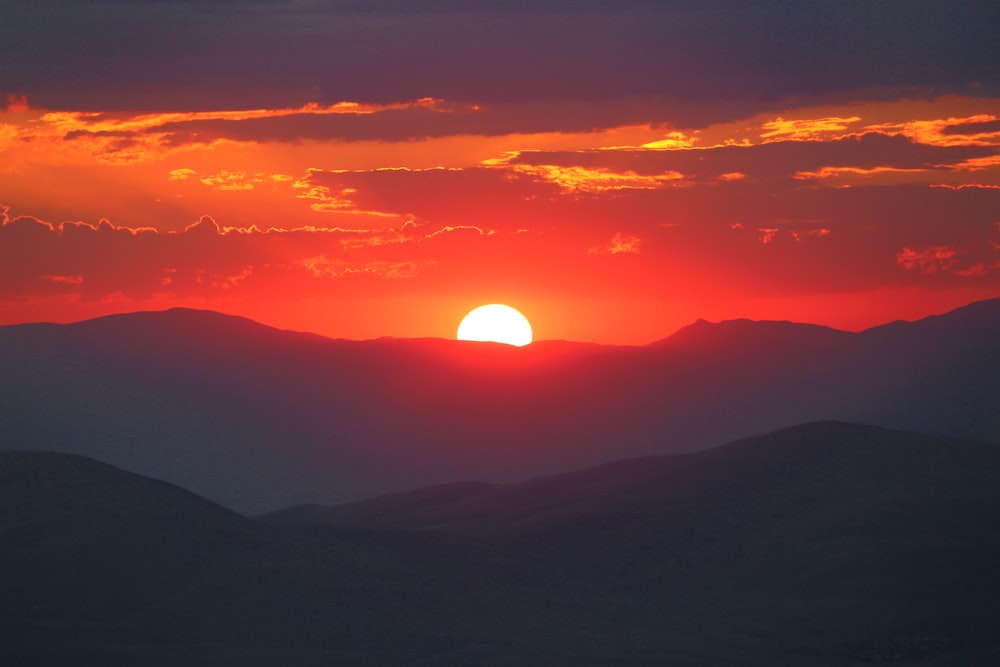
(836, 465)
(257, 419)
(104, 567)
(74, 528)
(823, 544)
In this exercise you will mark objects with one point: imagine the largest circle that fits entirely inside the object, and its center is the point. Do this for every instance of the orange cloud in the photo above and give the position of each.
(966, 186)
(226, 179)
(573, 179)
(620, 244)
(854, 174)
(326, 268)
(975, 130)
(456, 228)
(673, 141)
(236, 180)
(809, 129)
(985, 166)
(127, 139)
(328, 199)
(977, 163)
(181, 174)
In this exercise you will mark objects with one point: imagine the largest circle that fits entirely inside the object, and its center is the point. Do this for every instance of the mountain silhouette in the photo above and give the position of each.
(72, 525)
(819, 463)
(257, 419)
(822, 544)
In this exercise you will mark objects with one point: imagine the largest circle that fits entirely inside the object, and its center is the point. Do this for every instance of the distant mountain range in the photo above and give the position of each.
(823, 544)
(259, 419)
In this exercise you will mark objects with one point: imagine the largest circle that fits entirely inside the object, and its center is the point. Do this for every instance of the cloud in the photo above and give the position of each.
(17, 103)
(344, 121)
(577, 180)
(800, 235)
(812, 129)
(444, 197)
(964, 186)
(844, 176)
(129, 138)
(99, 261)
(975, 130)
(620, 244)
(724, 207)
(232, 180)
(70, 280)
(732, 176)
(977, 163)
(712, 224)
(181, 174)
(325, 268)
(116, 136)
(73, 55)
(767, 234)
(927, 260)
(863, 155)
(974, 259)
(429, 119)
(980, 269)
(673, 141)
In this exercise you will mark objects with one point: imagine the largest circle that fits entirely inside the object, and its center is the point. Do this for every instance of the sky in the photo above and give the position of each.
(614, 170)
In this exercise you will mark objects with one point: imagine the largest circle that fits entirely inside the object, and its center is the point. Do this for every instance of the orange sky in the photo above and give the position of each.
(611, 218)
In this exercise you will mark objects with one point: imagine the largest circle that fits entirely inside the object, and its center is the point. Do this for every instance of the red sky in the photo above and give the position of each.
(614, 171)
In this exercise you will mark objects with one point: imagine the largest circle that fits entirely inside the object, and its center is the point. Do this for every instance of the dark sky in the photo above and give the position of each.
(83, 54)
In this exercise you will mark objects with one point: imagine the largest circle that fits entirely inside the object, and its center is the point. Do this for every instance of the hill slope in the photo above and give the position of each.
(821, 463)
(825, 544)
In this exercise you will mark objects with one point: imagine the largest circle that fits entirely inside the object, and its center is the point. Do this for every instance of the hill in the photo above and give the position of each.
(822, 544)
(257, 419)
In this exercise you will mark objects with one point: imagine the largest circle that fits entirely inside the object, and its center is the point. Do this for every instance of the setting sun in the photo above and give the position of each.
(495, 323)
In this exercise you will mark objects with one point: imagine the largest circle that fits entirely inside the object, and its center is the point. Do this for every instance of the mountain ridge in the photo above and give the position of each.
(258, 418)
(981, 308)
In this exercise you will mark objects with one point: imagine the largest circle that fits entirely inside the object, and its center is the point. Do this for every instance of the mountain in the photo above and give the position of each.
(71, 524)
(836, 464)
(105, 567)
(822, 544)
(87, 545)
(257, 419)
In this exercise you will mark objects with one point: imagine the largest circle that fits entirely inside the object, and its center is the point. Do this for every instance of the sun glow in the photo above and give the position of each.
(495, 323)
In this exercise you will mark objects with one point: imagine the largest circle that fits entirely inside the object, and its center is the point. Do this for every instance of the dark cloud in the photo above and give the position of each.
(420, 121)
(97, 261)
(989, 126)
(219, 55)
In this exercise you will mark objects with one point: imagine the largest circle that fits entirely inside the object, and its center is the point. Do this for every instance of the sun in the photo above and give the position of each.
(497, 323)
